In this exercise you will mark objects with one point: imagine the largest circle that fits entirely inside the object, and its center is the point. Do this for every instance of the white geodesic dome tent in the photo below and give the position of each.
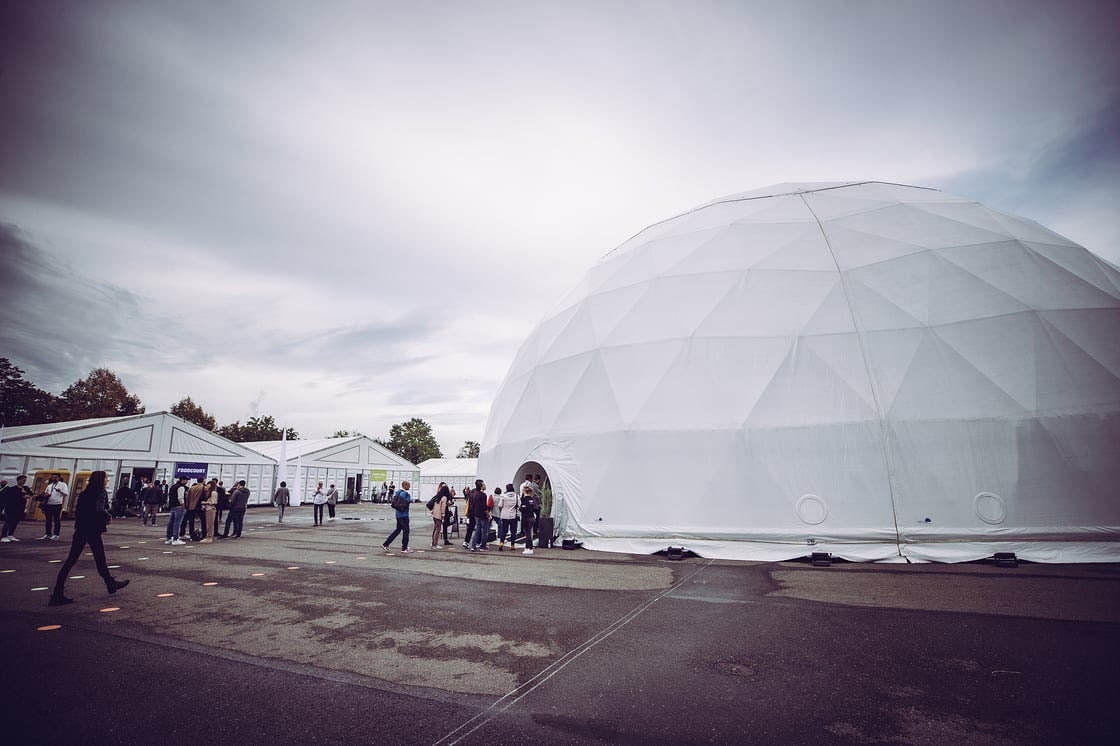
(879, 371)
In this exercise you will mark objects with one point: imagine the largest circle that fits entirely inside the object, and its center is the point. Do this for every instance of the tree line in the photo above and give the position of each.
(103, 394)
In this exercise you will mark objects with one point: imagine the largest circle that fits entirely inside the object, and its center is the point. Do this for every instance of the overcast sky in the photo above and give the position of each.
(348, 214)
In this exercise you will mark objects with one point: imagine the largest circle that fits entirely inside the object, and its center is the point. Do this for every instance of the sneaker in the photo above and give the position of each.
(54, 537)
(59, 601)
(116, 585)
(178, 543)
(527, 551)
(466, 545)
(44, 536)
(473, 549)
(5, 540)
(13, 538)
(385, 549)
(406, 551)
(168, 541)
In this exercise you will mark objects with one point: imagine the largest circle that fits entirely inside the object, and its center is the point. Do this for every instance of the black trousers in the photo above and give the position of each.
(53, 515)
(188, 522)
(237, 518)
(528, 523)
(402, 528)
(77, 544)
(12, 517)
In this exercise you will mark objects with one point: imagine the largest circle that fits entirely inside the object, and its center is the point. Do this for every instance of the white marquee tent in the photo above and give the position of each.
(457, 472)
(157, 445)
(882, 372)
(355, 465)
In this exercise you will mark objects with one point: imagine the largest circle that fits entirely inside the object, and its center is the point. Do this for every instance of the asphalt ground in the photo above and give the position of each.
(301, 634)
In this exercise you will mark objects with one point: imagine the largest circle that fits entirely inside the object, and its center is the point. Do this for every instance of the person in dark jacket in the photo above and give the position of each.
(282, 499)
(13, 499)
(480, 515)
(91, 517)
(120, 500)
(223, 505)
(175, 498)
(153, 499)
(238, 502)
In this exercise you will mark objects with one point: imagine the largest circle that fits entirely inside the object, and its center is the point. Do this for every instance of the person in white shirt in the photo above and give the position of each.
(319, 499)
(56, 492)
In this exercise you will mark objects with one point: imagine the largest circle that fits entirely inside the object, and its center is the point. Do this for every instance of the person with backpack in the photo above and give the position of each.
(438, 505)
(400, 504)
(529, 507)
(448, 515)
(332, 500)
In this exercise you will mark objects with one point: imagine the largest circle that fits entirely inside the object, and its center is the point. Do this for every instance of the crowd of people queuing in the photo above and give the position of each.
(195, 511)
(511, 509)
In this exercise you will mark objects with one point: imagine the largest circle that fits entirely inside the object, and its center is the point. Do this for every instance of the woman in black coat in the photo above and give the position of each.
(90, 520)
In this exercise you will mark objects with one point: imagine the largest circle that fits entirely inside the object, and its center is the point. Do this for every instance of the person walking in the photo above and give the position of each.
(401, 502)
(332, 500)
(480, 515)
(281, 499)
(56, 492)
(13, 499)
(91, 519)
(439, 507)
(529, 507)
(507, 505)
(175, 497)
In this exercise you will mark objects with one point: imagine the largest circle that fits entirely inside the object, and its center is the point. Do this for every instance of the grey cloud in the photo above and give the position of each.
(1083, 166)
(364, 348)
(58, 327)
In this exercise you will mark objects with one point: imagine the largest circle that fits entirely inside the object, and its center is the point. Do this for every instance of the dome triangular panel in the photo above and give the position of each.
(941, 384)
